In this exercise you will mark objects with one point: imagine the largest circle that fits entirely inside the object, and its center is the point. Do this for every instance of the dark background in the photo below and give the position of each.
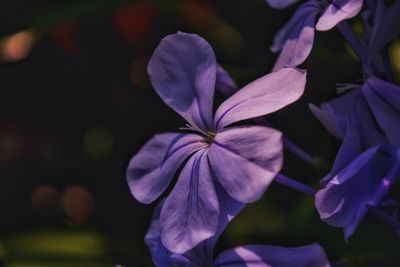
(76, 104)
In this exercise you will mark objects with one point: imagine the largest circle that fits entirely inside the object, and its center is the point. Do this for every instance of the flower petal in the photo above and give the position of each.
(190, 213)
(280, 4)
(384, 100)
(338, 11)
(343, 202)
(266, 256)
(333, 114)
(225, 83)
(183, 72)
(246, 160)
(263, 96)
(296, 38)
(203, 254)
(386, 26)
(152, 239)
(152, 168)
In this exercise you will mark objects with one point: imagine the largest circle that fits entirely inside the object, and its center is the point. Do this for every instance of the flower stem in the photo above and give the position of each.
(355, 43)
(289, 182)
(383, 216)
(292, 147)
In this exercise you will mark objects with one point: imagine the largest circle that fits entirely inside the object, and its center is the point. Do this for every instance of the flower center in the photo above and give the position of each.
(209, 134)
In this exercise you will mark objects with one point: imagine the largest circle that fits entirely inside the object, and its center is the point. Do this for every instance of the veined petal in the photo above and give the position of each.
(183, 72)
(263, 96)
(150, 171)
(338, 11)
(246, 160)
(267, 256)
(203, 254)
(296, 38)
(280, 4)
(386, 26)
(190, 213)
(384, 100)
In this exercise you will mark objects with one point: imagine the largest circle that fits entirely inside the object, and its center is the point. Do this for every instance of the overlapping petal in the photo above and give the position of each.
(225, 83)
(343, 202)
(337, 11)
(190, 213)
(266, 256)
(246, 159)
(384, 100)
(263, 96)
(183, 72)
(296, 38)
(150, 171)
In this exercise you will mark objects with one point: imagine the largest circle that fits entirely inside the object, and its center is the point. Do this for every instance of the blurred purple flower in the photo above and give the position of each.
(250, 255)
(364, 182)
(243, 159)
(279, 4)
(296, 38)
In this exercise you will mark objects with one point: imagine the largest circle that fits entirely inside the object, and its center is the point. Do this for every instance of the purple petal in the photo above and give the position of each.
(338, 11)
(263, 96)
(266, 256)
(225, 83)
(343, 202)
(229, 208)
(246, 160)
(296, 38)
(280, 4)
(386, 26)
(384, 100)
(190, 213)
(183, 72)
(150, 171)
(160, 255)
(333, 114)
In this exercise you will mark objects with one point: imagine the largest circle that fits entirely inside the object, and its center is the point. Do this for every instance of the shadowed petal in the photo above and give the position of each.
(203, 254)
(338, 11)
(225, 83)
(183, 72)
(263, 96)
(190, 213)
(296, 38)
(333, 114)
(343, 202)
(267, 256)
(246, 159)
(384, 100)
(152, 168)
(280, 4)
(160, 255)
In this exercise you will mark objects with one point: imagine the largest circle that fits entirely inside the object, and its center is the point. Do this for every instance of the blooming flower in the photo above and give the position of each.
(296, 38)
(365, 181)
(250, 255)
(243, 159)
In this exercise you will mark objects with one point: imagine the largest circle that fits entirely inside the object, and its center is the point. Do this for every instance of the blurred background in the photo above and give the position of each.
(76, 104)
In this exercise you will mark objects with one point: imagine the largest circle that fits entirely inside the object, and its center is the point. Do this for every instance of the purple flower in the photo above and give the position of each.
(250, 255)
(279, 4)
(365, 181)
(296, 38)
(243, 159)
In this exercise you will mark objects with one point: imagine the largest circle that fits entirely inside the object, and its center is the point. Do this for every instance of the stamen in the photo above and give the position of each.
(189, 127)
(210, 136)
